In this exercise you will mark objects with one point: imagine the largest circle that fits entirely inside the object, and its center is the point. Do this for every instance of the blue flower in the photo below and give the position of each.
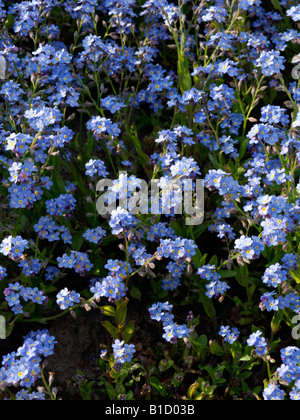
(273, 392)
(3, 272)
(52, 273)
(78, 261)
(13, 247)
(96, 167)
(67, 299)
(121, 220)
(260, 344)
(94, 235)
(172, 331)
(271, 62)
(229, 335)
(123, 352)
(294, 13)
(21, 368)
(249, 248)
(111, 287)
(65, 203)
(275, 275)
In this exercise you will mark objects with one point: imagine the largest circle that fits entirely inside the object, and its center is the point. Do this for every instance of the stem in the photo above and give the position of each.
(48, 390)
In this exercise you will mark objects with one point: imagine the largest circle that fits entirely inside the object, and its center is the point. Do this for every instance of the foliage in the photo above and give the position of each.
(143, 92)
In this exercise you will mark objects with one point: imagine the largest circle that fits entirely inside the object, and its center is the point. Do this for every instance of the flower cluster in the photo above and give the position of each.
(121, 221)
(112, 286)
(22, 368)
(78, 261)
(215, 287)
(48, 229)
(15, 294)
(259, 342)
(13, 247)
(65, 203)
(288, 373)
(172, 331)
(67, 299)
(123, 352)
(94, 235)
(229, 335)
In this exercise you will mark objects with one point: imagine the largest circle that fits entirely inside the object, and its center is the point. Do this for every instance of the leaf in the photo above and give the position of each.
(276, 321)
(245, 321)
(215, 348)
(227, 274)
(214, 161)
(202, 345)
(110, 391)
(158, 386)
(121, 312)
(58, 184)
(90, 146)
(135, 292)
(276, 5)
(184, 76)
(165, 365)
(200, 229)
(143, 158)
(193, 388)
(203, 340)
(108, 310)
(128, 332)
(295, 276)
(113, 331)
(77, 242)
(198, 259)
(243, 148)
(207, 305)
(9, 23)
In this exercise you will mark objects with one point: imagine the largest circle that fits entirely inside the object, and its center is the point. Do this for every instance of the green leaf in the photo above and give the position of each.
(203, 340)
(77, 242)
(200, 229)
(158, 386)
(165, 365)
(243, 148)
(199, 259)
(207, 305)
(111, 392)
(121, 312)
(215, 348)
(9, 23)
(113, 331)
(277, 319)
(246, 358)
(227, 274)
(295, 276)
(135, 292)
(276, 5)
(89, 147)
(108, 310)
(142, 157)
(128, 332)
(58, 184)
(245, 321)
(214, 161)
(184, 76)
